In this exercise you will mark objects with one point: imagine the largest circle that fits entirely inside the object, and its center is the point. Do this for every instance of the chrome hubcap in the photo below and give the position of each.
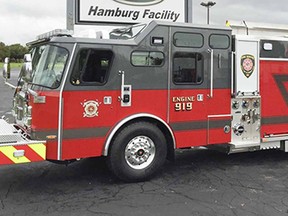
(140, 152)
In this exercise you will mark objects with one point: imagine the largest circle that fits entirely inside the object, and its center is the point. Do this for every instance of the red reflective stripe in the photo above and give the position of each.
(4, 159)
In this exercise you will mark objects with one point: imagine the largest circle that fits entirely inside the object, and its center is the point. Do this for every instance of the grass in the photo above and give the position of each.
(13, 65)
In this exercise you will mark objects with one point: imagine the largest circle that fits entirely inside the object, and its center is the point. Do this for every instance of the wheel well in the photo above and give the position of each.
(160, 125)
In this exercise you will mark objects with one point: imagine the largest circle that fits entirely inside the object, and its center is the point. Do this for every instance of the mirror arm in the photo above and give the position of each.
(35, 94)
(10, 85)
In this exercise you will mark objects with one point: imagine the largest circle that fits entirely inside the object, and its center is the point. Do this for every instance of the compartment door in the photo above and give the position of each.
(246, 66)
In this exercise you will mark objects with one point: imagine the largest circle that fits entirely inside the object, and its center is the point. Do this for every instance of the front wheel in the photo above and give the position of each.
(137, 152)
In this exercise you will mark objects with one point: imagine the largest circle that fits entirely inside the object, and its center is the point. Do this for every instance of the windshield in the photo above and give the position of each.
(127, 33)
(48, 64)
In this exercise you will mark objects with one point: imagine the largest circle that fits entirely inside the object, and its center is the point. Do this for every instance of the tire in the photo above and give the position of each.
(137, 152)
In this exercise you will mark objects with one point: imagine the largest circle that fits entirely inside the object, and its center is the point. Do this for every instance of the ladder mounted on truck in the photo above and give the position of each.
(254, 28)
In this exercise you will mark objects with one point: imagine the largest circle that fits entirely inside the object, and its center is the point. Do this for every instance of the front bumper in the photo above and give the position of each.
(16, 146)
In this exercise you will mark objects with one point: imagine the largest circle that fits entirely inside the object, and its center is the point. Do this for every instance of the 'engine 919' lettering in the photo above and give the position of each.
(183, 103)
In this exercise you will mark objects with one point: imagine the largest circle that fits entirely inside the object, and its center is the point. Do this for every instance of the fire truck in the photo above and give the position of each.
(146, 91)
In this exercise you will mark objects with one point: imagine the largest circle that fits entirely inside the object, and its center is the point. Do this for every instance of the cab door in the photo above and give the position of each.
(200, 91)
(88, 102)
(189, 86)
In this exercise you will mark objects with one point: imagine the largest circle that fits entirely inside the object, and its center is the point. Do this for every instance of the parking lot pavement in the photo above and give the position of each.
(199, 183)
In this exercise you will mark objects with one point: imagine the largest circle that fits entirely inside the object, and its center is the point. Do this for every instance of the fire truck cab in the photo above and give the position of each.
(146, 91)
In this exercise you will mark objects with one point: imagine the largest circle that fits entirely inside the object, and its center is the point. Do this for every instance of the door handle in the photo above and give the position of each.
(211, 51)
(126, 92)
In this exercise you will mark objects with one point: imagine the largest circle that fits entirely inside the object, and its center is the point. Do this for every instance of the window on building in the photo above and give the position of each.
(218, 41)
(188, 40)
(145, 58)
(188, 68)
(92, 67)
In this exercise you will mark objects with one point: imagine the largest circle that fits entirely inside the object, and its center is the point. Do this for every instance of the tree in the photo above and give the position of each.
(4, 51)
(17, 51)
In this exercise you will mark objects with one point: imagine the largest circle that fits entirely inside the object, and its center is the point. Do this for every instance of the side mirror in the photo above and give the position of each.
(26, 70)
(6, 68)
(27, 57)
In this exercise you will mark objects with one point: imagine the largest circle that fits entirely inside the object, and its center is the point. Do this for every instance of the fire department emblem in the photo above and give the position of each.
(90, 109)
(247, 65)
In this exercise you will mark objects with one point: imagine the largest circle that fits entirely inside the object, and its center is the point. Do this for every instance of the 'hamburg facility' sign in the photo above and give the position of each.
(130, 11)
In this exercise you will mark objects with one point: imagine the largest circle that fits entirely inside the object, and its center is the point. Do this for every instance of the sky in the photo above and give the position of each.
(22, 20)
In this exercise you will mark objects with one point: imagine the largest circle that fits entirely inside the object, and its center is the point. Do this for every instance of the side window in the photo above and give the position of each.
(218, 41)
(92, 67)
(143, 58)
(188, 68)
(274, 49)
(194, 40)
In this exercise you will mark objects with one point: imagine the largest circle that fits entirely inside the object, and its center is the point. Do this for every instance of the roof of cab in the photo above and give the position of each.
(147, 30)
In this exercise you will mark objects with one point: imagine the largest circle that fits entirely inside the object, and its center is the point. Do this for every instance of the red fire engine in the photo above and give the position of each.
(147, 90)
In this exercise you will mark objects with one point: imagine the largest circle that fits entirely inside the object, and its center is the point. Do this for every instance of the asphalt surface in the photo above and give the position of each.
(198, 183)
